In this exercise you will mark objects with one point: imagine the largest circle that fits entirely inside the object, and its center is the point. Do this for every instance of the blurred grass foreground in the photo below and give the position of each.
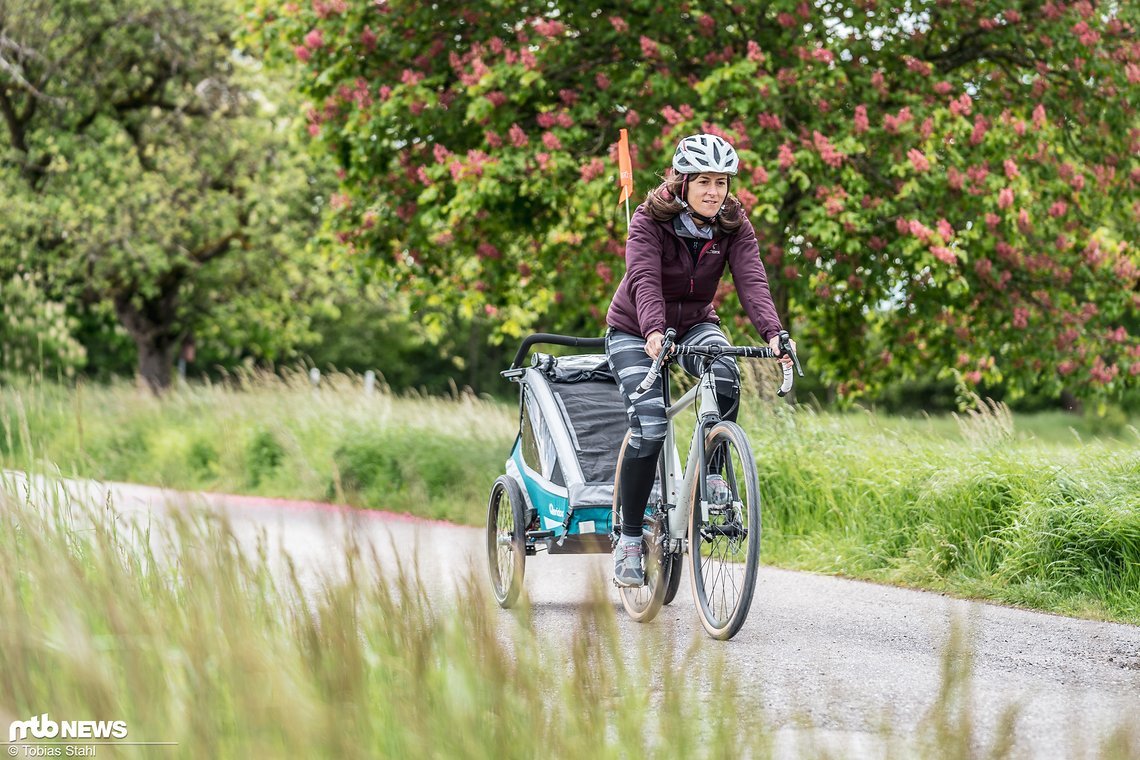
(1042, 511)
(190, 636)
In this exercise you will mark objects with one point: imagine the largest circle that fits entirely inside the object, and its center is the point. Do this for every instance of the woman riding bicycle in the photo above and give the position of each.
(679, 242)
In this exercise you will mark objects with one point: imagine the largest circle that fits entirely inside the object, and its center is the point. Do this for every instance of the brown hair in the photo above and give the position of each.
(662, 205)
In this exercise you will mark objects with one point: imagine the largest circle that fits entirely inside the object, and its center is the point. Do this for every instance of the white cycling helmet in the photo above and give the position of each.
(705, 153)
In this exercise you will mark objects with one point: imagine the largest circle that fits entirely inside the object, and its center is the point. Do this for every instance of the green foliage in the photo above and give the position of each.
(263, 455)
(943, 186)
(394, 468)
(36, 334)
(152, 175)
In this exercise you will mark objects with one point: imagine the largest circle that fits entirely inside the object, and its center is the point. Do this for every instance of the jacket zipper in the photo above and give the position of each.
(700, 256)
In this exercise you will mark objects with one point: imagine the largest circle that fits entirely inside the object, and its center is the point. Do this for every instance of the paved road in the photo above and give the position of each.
(843, 656)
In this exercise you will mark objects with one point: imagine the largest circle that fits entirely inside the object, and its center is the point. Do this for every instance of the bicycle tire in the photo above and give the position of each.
(642, 603)
(506, 541)
(711, 560)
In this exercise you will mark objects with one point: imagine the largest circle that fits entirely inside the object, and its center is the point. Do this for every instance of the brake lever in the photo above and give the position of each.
(786, 349)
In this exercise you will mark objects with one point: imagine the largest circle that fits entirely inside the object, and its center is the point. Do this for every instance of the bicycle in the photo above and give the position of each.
(721, 537)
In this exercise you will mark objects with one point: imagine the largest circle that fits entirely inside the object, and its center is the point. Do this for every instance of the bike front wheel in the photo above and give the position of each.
(724, 537)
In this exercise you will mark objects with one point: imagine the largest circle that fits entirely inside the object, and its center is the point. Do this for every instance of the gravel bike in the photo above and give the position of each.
(720, 534)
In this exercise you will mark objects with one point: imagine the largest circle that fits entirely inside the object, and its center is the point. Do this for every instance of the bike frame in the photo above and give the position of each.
(676, 483)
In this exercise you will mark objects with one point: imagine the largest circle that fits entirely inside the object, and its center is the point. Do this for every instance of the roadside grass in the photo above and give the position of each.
(191, 635)
(1040, 511)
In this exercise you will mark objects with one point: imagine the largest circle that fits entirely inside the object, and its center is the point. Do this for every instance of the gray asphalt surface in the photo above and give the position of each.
(841, 656)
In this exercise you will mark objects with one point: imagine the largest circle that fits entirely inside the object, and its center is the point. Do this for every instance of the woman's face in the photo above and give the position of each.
(707, 192)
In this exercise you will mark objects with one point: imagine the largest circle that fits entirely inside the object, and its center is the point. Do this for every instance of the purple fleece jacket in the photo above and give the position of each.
(661, 287)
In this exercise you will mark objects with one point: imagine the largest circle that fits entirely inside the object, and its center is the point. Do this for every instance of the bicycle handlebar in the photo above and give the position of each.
(669, 350)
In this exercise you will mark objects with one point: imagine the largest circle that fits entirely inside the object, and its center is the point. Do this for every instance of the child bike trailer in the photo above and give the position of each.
(558, 489)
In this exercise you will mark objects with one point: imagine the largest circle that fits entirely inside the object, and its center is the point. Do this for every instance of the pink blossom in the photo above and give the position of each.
(487, 251)
(368, 39)
(1078, 182)
(770, 121)
(384, 92)
(496, 97)
(631, 118)
(918, 160)
(786, 157)
(410, 77)
(993, 220)
(1058, 209)
(564, 120)
(974, 376)
(978, 173)
(945, 230)
(1039, 116)
(1020, 318)
(980, 128)
(1019, 128)
(314, 39)
(754, 52)
(1066, 367)
(602, 81)
(672, 115)
(592, 170)
(983, 267)
(1011, 170)
(827, 151)
(648, 47)
(823, 55)
(759, 176)
(543, 159)
(1103, 373)
(1012, 16)
(954, 178)
(918, 67)
(1005, 198)
(619, 24)
(440, 153)
(517, 136)
(492, 139)
(314, 130)
(551, 141)
(786, 20)
(422, 176)
(550, 28)
(302, 53)
(944, 254)
(962, 105)
(569, 97)
(529, 62)
(862, 124)
(943, 88)
(920, 230)
(546, 119)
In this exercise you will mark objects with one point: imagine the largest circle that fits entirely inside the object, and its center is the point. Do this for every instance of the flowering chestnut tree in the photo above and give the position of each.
(942, 186)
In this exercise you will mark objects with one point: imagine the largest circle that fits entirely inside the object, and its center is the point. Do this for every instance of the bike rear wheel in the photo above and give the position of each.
(724, 540)
(642, 603)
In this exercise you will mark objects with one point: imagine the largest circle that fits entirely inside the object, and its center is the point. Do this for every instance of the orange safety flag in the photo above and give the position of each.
(625, 168)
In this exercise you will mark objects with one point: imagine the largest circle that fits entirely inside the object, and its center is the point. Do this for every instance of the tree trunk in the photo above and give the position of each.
(152, 327)
(156, 362)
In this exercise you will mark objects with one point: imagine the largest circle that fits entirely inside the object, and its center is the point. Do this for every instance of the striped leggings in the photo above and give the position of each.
(630, 365)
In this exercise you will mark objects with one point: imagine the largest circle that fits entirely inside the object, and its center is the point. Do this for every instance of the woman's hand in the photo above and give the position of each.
(774, 343)
(653, 343)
